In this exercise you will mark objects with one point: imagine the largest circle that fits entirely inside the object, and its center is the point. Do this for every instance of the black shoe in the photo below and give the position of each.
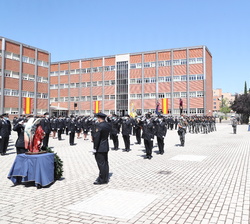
(2, 154)
(99, 183)
(150, 157)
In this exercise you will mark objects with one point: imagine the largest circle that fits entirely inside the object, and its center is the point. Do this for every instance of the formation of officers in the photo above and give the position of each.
(145, 127)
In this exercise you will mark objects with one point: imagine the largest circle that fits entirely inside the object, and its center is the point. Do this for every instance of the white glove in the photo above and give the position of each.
(69, 132)
(0, 137)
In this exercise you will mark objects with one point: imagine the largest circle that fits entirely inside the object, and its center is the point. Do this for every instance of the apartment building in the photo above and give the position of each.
(24, 78)
(134, 82)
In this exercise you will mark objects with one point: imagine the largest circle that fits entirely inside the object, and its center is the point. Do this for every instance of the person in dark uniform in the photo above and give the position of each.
(19, 128)
(182, 127)
(148, 135)
(115, 129)
(78, 127)
(66, 124)
(234, 125)
(5, 131)
(45, 124)
(138, 127)
(60, 127)
(72, 130)
(53, 125)
(161, 131)
(101, 148)
(126, 131)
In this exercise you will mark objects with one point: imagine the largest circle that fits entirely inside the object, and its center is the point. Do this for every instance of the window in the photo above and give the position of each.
(152, 95)
(146, 95)
(138, 96)
(183, 78)
(176, 78)
(160, 63)
(132, 81)
(183, 61)
(16, 57)
(7, 73)
(8, 55)
(72, 99)
(106, 83)
(106, 97)
(192, 77)
(199, 60)
(66, 99)
(112, 82)
(99, 97)
(112, 97)
(83, 84)
(88, 98)
(168, 95)
(66, 85)
(139, 80)
(94, 97)
(183, 94)
(176, 95)
(72, 85)
(161, 95)
(7, 92)
(132, 66)
(167, 63)
(192, 111)
(138, 65)
(168, 79)
(31, 78)
(99, 83)
(146, 80)
(106, 68)
(77, 98)
(14, 93)
(153, 80)
(161, 79)
(88, 84)
(176, 62)
(61, 86)
(152, 64)
(192, 94)
(94, 69)
(94, 83)
(200, 94)
(192, 60)
(132, 96)
(112, 68)
(146, 65)
(200, 77)
(82, 98)
(200, 110)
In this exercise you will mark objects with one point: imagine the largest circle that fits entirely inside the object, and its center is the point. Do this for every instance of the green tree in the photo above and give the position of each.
(245, 89)
(224, 106)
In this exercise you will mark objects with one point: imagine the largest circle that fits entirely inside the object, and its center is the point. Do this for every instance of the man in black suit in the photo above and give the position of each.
(101, 148)
(72, 130)
(115, 129)
(45, 124)
(161, 131)
(148, 135)
(5, 131)
(126, 131)
(60, 127)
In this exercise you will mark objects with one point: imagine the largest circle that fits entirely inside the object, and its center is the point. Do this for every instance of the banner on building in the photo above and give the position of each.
(164, 106)
(96, 106)
(132, 110)
(27, 105)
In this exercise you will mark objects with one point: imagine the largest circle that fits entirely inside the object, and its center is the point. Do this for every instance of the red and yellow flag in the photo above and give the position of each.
(27, 105)
(96, 106)
(164, 106)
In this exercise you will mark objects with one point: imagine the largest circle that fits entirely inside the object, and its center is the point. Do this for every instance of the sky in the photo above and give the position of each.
(77, 29)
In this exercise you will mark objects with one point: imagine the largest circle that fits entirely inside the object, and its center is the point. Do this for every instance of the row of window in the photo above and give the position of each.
(87, 112)
(84, 70)
(13, 92)
(167, 95)
(82, 98)
(166, 63)
(83, 84)
(29, 77)
(10, 110)
(176, 78)
(11, 55)
(132, 66)
(177, 111)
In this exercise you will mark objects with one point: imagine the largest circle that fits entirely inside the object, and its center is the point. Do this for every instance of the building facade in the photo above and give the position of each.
(218, 96)
(24, 78)
(135, 81)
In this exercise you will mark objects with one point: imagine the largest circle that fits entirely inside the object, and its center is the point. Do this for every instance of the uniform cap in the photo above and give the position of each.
(101, 115)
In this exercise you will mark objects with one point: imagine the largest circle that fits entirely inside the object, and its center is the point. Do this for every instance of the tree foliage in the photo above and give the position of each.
(224, 106)
(241, 105)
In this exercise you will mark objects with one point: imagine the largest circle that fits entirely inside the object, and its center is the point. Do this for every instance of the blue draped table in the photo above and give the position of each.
(38, 168)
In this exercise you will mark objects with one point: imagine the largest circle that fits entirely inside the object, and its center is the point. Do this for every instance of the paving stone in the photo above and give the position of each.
(207, 181)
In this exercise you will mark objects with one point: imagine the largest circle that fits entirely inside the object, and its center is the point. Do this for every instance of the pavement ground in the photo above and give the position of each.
(207, 181)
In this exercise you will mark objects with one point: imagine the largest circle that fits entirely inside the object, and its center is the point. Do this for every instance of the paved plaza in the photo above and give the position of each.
(207, 181)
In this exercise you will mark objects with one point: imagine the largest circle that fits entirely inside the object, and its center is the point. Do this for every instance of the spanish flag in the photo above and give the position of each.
(165, 106)
(27, 105)
(96, 106)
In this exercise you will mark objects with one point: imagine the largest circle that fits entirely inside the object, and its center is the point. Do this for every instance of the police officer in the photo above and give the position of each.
(126, 131)
(101, 148)
(19, 128)
(234, 125)
(5, 131)
(148, 135)
(72, 130)
(53, 124)
(182, 127)
(161, 131)
(138, 127)
(115, 129)
(45, 124)
(60, 127)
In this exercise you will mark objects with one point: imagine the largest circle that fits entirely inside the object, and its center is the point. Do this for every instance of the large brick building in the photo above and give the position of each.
(24, 78)
(135, 81)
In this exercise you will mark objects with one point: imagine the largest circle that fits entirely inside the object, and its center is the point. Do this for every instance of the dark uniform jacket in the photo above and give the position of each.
(72, 125)
(45, 123)
(148, 130)
(101, 143)
(5, 128)
(115, 123)
(126, 127)
(161, 130)
(53, 124)
(19, 128)
(60, 124)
